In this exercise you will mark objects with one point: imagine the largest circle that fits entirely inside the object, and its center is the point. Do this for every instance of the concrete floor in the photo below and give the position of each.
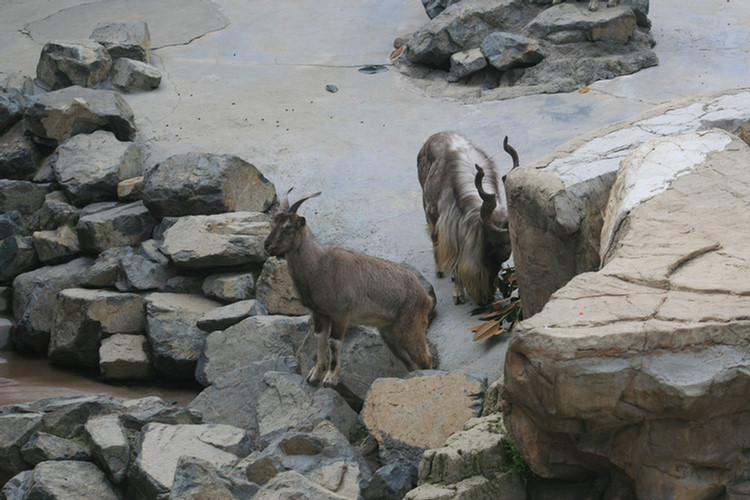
(248, 77)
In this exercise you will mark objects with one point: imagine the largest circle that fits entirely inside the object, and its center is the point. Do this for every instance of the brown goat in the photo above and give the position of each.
(340, 286)
(469, 229)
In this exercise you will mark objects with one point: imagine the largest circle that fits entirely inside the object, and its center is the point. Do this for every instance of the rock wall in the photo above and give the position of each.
(639, 366)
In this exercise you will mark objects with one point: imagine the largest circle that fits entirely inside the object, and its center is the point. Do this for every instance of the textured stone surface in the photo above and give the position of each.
(20, 157)
(555, 205)
(110, 446)
(130, 39)
(130, 75)
(69, 479)
(222, 318)
(204, 184)
(119, 226)
(90, 166)
(275, 289)
(622, 365)
(210, 241)
(56, 116)
(63, 64)
(125, 357)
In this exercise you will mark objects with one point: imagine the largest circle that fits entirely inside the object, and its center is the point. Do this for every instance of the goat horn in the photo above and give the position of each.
(512, 152)
(284, 203)
(296, 205)
(489, 202)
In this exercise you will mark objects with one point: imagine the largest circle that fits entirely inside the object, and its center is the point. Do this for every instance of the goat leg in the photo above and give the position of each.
(458, 291)
(338, 331)
(321, 329)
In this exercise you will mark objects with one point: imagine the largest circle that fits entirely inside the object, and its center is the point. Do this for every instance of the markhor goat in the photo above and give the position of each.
(340, 286)
(468, 227)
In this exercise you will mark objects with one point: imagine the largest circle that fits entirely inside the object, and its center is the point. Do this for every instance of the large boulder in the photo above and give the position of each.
(130, 39)
(68, 479)
(175, 339)
(223, 240)
(641, 366)
(566, 23)
(204, 184)
(275, 289)
(118, 226)
(83, 317)
(556, 203)
(20, 157)
(15, 431)
(56, 116)
(408, 416)
(34, 297)
(63, 64)
(90, 166)
(130, 75)
(257, 338)
(161, 446)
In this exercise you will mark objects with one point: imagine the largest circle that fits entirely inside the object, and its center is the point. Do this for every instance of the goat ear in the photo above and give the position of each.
(301, 222)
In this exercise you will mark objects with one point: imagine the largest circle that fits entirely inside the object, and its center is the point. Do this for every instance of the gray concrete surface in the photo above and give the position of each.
(248, 77)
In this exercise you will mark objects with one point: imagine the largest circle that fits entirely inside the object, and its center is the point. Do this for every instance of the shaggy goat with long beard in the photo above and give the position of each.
(468, 227)
(340, 286)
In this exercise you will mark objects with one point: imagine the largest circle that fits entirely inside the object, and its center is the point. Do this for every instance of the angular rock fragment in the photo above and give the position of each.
(17, 256)
(205, 184)
(130, 39)
(20, 157)
(83, 317)
(90, 166)
(568, 23)
(63, 64)
(210, 241)
(275, 289)
(125, 357)
(15, 431)
(120, 226)
(176, 341)
(110, 446)
(230, 287)
(55, 246)
(57, 116)
(505, 51)
(24, 196)
(467, 62)
(222, 318)
(130, 75)
(69, 479)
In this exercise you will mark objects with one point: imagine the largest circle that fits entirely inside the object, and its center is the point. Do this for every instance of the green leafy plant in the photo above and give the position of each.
(504, 312)
(516, 463)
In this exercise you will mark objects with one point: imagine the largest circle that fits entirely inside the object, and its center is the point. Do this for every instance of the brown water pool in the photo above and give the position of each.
(27, 379)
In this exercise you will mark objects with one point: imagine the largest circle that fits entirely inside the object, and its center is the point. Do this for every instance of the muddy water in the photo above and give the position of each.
(25, 379)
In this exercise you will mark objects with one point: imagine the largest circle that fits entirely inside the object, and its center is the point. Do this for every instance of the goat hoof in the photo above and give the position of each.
(330, 381)
(458, 299)
(313, 378)
(440, 274)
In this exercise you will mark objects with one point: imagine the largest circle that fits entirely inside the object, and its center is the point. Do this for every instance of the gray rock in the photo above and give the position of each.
(229, 287)
(12, 102)
(105, 271)
(205, 184)
(67, 479)
(55, 213)
(123, 225)
(467, 62)
(17, 256)
(130, 39)
(287, 402)
(24, 196)
(508, 50)
(364, 359)
(143, 270)
(15, 431)
(147, 410)
(292, 484)
(110, 446)
(6, 326)
(161, 446)
(463, 26)
(257, 338)
(63, 64)
(42, 446)
(322, 455)
(232, 398)
(16, 488)
(125, 357)
(176, 341)
(184, 284)
(275, 289)
(130, 75)
(389, 481)
(210, 241)
(56, 246)
(197, 479)
(6, 294)
(83, 317)
(34, 296)
(434, 7)
(408, 416)
(222, 318)
(90, 166)
(11, 224)
(567, 23)
(20, 157)
(57, 116)
(66, 416)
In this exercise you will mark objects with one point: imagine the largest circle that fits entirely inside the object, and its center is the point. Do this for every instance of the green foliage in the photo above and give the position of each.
(505, 312)
(517, 463)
